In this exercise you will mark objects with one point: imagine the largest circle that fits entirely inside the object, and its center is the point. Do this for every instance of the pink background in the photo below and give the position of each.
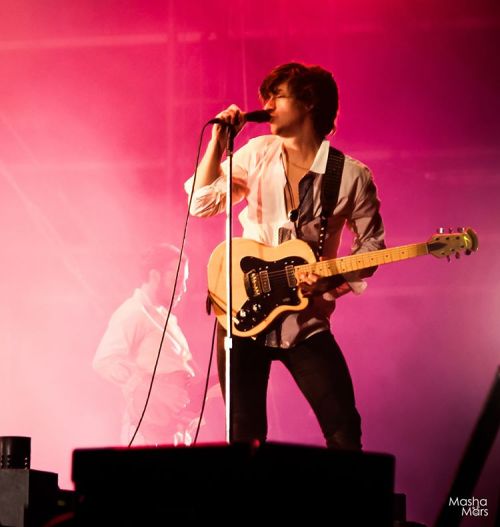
(101, 106)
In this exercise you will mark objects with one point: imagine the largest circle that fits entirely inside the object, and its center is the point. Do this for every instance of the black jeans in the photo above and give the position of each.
(320, 371)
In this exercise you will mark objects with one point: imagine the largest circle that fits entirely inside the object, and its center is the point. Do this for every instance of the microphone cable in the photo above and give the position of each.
(179, 263)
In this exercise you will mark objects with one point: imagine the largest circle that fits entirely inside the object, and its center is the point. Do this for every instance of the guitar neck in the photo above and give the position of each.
(357, 262)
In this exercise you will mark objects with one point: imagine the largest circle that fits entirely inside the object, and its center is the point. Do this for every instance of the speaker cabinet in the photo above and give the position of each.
(27, 497)
(235, 484)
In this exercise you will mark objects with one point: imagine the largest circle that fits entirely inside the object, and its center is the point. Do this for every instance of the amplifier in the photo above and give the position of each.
(237, 483)
(28, 498)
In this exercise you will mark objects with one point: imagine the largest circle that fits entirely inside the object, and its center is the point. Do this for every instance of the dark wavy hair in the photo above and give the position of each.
(312, 85)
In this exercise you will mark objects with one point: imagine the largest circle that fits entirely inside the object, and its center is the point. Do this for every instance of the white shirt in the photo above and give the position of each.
(129, 347)
(259, 177)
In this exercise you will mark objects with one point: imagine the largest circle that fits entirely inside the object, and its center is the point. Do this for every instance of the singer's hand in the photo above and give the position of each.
(231, 115)
(311, 284)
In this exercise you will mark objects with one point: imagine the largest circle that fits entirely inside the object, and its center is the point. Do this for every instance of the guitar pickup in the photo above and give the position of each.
(264, 281)
(290, 276)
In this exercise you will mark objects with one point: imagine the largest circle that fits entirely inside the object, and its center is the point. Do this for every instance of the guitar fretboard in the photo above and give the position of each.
(356, 262)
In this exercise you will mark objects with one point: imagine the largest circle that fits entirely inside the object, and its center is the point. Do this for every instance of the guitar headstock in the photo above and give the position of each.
(443, 244)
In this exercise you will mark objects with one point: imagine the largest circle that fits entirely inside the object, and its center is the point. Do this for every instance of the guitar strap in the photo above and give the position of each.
(330, 187)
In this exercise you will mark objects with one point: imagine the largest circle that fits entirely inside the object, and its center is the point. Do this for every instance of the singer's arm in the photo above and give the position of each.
(209, 192)
(209, 168)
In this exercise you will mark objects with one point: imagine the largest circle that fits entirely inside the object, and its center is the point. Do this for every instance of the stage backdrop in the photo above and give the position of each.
(101, 108)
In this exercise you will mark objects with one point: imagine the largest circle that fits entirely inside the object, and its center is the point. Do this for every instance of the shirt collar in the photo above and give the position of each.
(146, 303)
(321, 159)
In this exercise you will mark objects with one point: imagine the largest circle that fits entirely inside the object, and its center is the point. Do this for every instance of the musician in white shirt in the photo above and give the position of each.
(280, 176)
(127, 353)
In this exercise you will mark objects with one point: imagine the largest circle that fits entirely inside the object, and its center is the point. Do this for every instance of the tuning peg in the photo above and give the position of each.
(457, 255)
(450, 230)
(440, 230)
(460, 229)
(448, 258)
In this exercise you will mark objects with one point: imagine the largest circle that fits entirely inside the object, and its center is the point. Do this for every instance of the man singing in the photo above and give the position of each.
(282, 177)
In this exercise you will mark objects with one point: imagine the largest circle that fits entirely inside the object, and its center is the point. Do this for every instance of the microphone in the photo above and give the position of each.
(257, 116)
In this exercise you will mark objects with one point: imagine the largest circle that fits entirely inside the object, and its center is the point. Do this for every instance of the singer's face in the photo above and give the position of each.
(287, 113)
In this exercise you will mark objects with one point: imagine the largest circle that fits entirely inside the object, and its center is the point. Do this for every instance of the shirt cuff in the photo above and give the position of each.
(356, 285)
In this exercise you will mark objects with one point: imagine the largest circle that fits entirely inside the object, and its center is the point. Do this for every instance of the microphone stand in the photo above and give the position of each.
(228, 341)
(259, 116)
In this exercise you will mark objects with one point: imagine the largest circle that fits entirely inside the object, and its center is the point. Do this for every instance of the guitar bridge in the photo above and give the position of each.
(253, 284)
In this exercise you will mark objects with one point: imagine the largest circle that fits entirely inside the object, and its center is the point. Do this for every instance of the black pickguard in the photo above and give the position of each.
(265, 294)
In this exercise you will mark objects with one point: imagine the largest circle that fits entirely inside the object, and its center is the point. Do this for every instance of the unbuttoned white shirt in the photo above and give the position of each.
(259, 176)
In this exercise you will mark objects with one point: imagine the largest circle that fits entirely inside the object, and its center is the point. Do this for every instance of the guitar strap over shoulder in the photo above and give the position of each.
(330, 187)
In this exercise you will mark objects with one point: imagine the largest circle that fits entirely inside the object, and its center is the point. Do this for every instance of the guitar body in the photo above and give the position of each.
(265, 278)
(264, 283)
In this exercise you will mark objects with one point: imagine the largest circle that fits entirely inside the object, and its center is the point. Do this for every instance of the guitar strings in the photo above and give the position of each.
(380, 257)
(383, 253)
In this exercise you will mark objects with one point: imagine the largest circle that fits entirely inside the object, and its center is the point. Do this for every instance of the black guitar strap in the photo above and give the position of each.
(330, 187)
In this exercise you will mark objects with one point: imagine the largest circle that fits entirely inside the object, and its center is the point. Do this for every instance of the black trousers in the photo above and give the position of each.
(320, 371)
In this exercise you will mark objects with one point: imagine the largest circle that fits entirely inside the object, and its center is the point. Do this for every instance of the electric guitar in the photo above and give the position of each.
(265, 283)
